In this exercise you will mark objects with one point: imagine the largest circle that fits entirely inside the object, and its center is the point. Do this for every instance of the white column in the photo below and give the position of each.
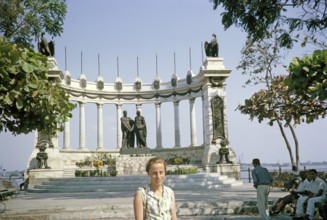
(119, 133)
(203, 118)
(158, 125)
(81, 125)
(100, 126)
(138, 108)
(193, 122)
(177, 130)
(67, 135)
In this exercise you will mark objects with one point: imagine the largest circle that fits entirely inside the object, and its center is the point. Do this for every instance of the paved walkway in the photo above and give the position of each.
(199, 204)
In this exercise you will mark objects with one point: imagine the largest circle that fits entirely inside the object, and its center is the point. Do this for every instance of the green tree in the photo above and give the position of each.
(258, 17)
(261, 66)
(308, 79)
(21, 21)
(295, 20)
(265, 105)
(28, 100)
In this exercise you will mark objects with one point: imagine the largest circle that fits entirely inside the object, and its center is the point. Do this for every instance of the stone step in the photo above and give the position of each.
(131, 183)
(125, 211)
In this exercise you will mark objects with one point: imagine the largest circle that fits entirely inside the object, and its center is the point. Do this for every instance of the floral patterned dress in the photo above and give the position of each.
(157, 208)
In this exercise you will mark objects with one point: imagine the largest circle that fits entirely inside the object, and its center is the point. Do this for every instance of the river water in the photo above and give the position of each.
(283, 168)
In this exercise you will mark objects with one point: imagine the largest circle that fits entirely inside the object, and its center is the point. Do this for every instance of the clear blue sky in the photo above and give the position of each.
(130, 29)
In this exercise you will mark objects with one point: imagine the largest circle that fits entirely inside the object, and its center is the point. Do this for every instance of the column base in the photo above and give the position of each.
(230, 170)
(38, 176)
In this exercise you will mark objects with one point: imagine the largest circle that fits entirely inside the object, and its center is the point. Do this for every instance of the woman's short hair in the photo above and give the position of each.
(153, 161)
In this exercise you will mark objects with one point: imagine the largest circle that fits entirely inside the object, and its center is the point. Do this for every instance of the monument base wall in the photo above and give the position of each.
(126, 164)
(38, 176)
(230, 170)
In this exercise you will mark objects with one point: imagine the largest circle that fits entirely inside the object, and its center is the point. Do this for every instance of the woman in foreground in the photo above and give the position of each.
(155, 201)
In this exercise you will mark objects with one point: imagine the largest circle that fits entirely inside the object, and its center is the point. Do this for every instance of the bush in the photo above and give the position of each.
(78, 173)
(182, 171)
(178, 160)
(113, 173)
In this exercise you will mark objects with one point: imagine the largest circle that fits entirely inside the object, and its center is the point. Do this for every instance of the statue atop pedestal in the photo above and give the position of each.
(131, 128)
(46, 48)
(212, 48)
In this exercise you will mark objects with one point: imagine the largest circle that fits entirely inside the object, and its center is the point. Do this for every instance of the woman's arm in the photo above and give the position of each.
(173, 208)
(138, 206)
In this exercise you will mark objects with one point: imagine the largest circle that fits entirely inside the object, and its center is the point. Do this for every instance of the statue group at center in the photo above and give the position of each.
(133, 128)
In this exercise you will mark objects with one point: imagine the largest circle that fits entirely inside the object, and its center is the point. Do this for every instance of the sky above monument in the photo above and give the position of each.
(146, 29)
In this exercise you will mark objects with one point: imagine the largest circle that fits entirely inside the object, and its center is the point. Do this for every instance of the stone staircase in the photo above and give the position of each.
(131, 183)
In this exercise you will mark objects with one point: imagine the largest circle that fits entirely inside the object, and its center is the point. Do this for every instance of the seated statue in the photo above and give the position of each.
(42, 156)
(212, 48)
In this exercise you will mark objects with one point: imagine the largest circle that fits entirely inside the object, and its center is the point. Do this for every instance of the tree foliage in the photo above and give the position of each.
(28, 101)
(278, 102)
(259, 58)
(21, 21)
(308, 76)
(270, 27)
(261, 61)
(257, 17)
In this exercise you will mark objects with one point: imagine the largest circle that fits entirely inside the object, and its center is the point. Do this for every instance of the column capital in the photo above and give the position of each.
(81, 103)
(192, 100)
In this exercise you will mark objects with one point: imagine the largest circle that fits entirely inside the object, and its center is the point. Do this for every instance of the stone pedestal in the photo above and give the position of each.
(38, 176)
(214, 63)
(135, 151)
(54, 159)
(54, 74)
(230, 170)
(131, 165)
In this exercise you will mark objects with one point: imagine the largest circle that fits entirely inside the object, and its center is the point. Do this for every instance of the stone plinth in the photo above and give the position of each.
(214, 63)
(54, 159)
(230, 170)
(135, 151)
(131, 165)
(38, 176)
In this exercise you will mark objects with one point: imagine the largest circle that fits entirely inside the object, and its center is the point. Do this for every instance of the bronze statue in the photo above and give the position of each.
(217, 108)
(42, 156)
(212, 48)
(140, 130)
(46, 48)
(127, 128)
(223, 151)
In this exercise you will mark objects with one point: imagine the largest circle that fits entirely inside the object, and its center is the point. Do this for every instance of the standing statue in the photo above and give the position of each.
(140, 130)
(46, 48)
(212, 48)
(127, 128)
(42, 156)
